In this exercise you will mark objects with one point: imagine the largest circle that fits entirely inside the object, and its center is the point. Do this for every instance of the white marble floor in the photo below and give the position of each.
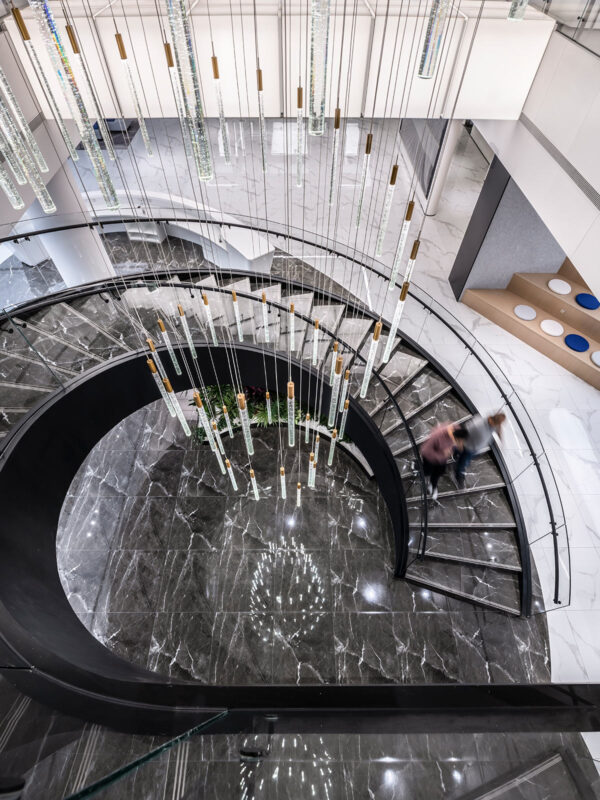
(565, 410)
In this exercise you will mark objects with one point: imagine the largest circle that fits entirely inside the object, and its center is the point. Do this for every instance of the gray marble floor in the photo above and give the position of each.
(172, 569)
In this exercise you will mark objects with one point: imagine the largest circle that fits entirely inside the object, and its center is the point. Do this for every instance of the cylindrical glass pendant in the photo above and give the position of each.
(306, 428)
(219, 458)
(387, 206)
(335, 392)
(291, 414)
(204, 420)
(231, 475)
(228, 422)
(134, 95)
(187, 332)
(433, 38)
(157, 359)
(333, 363)
(300, 139)
(173, 398)
(315, 344)
(334, 154)
(401, 245)
(236, 314)
(261, 119)
(282, 483)
(17, 113)
(344, 390)
(167, 340)
(319, 42)
(254, 485)
(298, 495)
(160, 386)
(370, 359)
(11, 159)
(269, 410)
(10, 190)
(389, 346)
(517, 9)
(244, 419)
(265, 316)
(411, 261)
(222, 120)
(311, 471)
(363, 177)
(332, 447)
(209, 319)
(292, 328)
(217, 437)
(344, 419)
(317, 445)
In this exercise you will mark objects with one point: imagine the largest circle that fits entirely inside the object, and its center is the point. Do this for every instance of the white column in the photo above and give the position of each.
(444, 160)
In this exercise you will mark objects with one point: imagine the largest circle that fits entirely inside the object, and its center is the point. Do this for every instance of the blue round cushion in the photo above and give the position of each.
(588, 301)
(577, 342)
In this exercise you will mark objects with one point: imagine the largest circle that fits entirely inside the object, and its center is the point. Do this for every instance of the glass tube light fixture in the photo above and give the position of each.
(228, 422)
(236, 314)
(157, 359)
(411, 261)
(265, 316)
(291, 414)
(12, 161)
(91, 93)
(315, 344)
(254, 485)
(187, 332)
(17, 113)
(311, 471)
(219, 458)
(282, 483)
(344, 418)
(387, 207)
(203, 419)
(389, 346)
(332, 444)
(317, 445)
(300, 137)
(179, 105)
(292, 328)
(217, 437)
(160, 386)
(261, 118)
(335, 392)
(133, 92)
(364, 176)
(333, 362)
(231, 475)
(222, 120)
(298, 495)
(371, 359)
(245, 420)
(319, 43)
(344, 389)
(10, 190)
(334, 153)
(306, 428)
(167, 340)
(433, 37)
(209, 319)
(269, 409)
(173, 398)
(401, 244)
(63, 70)
(517, 9)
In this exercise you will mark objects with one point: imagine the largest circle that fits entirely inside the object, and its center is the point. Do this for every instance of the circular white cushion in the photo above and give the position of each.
(596, 357)
(559, 286)
(525, 312)
(552, 327)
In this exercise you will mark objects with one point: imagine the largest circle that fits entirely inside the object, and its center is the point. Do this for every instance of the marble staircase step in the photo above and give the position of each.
(426, 386)
(483, 585)
(20, 395)
(442, 393)
(34, 344)
(459, 492)
(472, 507)
(447, 408)
(10, 417)
(15, 368)
(109, 314)
(495, 548)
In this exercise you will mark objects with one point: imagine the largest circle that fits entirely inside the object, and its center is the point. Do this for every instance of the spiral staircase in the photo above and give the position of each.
(471, 550)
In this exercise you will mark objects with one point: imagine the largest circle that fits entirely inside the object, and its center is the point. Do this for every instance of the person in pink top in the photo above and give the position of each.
(437, 449)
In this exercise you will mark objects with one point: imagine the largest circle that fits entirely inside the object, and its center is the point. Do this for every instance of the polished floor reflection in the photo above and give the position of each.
(172, 569)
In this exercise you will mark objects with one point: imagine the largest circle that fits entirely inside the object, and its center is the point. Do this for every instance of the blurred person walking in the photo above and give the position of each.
(443, 440)
(479, 434)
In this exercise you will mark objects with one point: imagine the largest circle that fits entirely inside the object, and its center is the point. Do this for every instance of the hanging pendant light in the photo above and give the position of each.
(371, 359)
(156, 356)
(244, 419)
(17, 113)
(10, 190)
(254, 485)
(291, 414)
(222, 120)
(315, 345)
(306, 428)
(133, 92)
(401, 244)
(387, 206)
(292, 328)
(91, 93)
(282, 483)
(344, 390)
(433, 37)
(231, 475)
(228, 422)
(217, 437)
(300, 138)
(319, 43)
(187, 332)
(334, 153)
(335, 392)
(204, 420)
(517, 9)
(209, 319)
(317, 444)
(167, 340)
(265, 316)
(269, 410)
(411, 261)
(298, 495)
(261, 118)
(175, 401)
(219, 458)
(333, 362)
(236, 314)
(160, 386)
(395, 323)
(332, 444)
(12, 161)
(20, 23)
(311, 471)
(344, 418)
(179, 105)
(364, 176)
